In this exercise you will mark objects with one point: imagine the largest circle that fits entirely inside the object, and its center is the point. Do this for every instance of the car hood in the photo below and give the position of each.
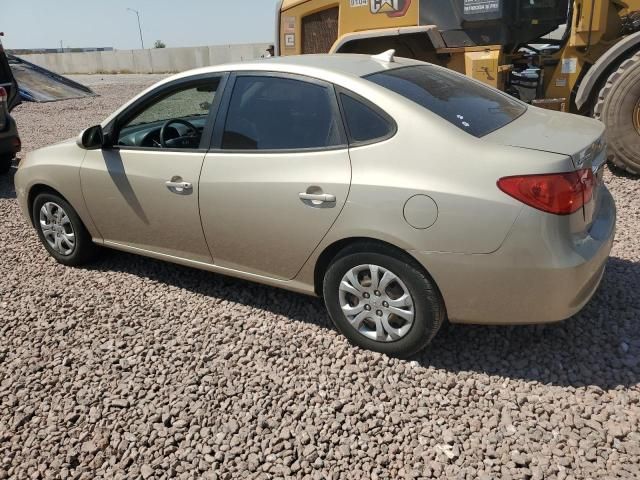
(54, 153)
(549, 131)
(68, 141)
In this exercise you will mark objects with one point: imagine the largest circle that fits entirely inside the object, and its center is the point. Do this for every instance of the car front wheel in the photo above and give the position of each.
(382, 302)
(61, 231)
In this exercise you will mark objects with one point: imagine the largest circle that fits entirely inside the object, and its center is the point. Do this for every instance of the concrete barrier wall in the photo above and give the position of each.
(157, 60)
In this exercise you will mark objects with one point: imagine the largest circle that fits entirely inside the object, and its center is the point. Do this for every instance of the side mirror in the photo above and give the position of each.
(92, 138)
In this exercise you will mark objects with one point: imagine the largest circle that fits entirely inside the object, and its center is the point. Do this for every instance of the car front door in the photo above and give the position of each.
(143, 191)
(279, 176)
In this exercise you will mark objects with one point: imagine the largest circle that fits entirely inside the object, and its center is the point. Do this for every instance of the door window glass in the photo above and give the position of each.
(271, 113)
(183, 113)
(364, 123)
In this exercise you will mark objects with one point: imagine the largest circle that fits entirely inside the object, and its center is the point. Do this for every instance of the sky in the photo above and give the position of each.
(94, 23)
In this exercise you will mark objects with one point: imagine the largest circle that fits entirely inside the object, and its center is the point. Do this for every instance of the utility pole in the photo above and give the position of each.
(139, 26)
(61, 47)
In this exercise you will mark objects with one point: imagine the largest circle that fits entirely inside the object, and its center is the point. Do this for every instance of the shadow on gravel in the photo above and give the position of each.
(621, 173)
(599, 347)
(7, 189)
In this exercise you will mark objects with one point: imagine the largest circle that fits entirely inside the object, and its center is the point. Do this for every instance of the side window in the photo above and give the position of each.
(272, 113)
(364, 123)
(183, 113)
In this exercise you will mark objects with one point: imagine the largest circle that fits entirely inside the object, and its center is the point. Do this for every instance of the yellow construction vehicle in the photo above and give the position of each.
(592, 68)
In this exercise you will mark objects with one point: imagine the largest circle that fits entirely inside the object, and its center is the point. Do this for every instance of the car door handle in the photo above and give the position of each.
(179, 187)
(318, 197)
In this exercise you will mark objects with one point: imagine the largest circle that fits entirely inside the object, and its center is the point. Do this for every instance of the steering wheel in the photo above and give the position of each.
(187, 124)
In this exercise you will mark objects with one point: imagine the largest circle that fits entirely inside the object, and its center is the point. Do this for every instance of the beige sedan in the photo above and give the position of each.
(401, 192)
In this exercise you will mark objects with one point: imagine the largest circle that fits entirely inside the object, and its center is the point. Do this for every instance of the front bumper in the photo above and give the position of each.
(541, 274)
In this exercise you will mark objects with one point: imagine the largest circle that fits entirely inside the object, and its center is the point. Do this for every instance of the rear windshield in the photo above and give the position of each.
(469, 105)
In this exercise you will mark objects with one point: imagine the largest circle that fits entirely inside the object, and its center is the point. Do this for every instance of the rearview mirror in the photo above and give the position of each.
(92, 138)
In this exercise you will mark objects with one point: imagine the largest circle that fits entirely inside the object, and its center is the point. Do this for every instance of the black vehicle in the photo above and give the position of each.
(9, 97)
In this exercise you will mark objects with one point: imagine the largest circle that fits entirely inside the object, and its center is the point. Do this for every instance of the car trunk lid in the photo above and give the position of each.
(549, 131)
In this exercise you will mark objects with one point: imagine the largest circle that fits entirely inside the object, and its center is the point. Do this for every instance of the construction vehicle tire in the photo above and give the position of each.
(618, 106)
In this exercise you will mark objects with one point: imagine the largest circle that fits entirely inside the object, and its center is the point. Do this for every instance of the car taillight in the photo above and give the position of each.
(557, 193)
(3, 95)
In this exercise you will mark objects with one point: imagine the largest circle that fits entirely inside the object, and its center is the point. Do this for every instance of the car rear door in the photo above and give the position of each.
(280, 174)
(7, 81)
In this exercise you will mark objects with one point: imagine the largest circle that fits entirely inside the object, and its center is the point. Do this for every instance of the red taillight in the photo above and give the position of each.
(3, 95)
(557, 193)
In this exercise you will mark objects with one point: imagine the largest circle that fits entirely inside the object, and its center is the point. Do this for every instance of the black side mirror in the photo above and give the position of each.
(92, 138)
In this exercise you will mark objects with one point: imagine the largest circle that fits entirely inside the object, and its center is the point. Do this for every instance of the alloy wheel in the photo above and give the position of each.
(376, 303)
(57, 229)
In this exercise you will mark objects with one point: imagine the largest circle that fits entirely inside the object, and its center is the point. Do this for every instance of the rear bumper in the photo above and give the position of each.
(9, 139)
(541, 274)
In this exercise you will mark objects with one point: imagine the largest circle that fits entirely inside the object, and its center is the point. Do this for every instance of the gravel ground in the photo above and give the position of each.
(134, 368)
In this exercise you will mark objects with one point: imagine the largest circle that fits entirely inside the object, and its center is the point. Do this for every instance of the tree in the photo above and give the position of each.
(159, 44)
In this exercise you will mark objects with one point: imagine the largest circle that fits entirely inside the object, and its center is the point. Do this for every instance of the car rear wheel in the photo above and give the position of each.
(61, 231)
(5, 163)
(382, 302)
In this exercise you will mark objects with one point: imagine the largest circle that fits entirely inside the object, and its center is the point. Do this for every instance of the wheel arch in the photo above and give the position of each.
(332, 251)
(600, 71)
(36, 190)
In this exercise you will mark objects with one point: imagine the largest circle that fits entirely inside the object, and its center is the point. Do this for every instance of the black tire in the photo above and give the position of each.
(429, 310)
(84, 249)
(5, 163)
(617, 104)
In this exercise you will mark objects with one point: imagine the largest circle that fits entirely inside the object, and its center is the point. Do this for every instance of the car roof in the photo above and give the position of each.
(323, 66)
(351, 64)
